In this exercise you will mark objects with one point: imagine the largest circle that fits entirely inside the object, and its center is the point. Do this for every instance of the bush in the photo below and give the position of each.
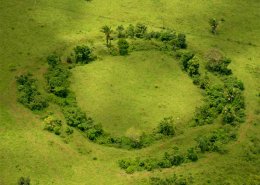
(214, 141)
(28, 95)
(166, 127)
(192, 155)
(185, 58)
(173, 180)
(219, 66)
(140, 30)
(24, 181)
(130, 32)
(193, 67)
(83, 54)
(53, 60)
(52, 125)
(121, 31)
(123, 46)
(57, 79)
(181, 41)
(167, 35)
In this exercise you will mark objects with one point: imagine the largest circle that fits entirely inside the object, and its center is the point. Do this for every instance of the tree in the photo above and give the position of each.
(130, 31)
(140, 30)
(83, 54)
(214, 23)
(121, 31)
(107, 30)
(123, 46)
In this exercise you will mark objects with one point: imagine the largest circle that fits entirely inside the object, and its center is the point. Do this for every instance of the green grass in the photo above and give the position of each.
(30, 30)
(135, 92)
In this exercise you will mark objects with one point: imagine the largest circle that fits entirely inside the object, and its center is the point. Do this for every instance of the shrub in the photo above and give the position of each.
(173, 180)
(121, 31)
(53, 60)
(167, 35)
(57, 79)
(192, 155)
(83, 54)
(52, 125)
(214, 23)
(185, 58)
(123, 46)
(181, 41)
(166, 127)
(214, 141)
(69, 130)
(28, 95)
(140, 30)
(130, 32)
(24, 181)
(219, 66)
(193, 67)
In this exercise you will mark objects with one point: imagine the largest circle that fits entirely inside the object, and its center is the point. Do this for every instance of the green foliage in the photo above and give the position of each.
(83, 54)
(130, 32)
(57, 80)
(24, 181)
(219, 66)
(140, 30)
(53, 60)
(52, 125)
(170, 158)
(69, 130)
(181, 41)
(193, 67)
(185, 58)
(166, 127)
(28, 95)
(165, 35)
(214, 23)
(123, 46)
(107, 30)
(121, 31)
(192, 154)
(215, 140)
(172, 180)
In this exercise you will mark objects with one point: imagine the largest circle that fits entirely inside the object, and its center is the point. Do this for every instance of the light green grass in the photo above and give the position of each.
(29, 31)
(135, 92)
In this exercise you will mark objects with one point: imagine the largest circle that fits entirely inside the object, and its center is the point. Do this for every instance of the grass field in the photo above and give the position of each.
(32, 29)
(135, 92)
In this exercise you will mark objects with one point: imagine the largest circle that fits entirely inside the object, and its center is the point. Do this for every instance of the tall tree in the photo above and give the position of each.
(107, 30)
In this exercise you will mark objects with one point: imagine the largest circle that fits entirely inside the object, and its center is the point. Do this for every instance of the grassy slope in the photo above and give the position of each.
(29, 31)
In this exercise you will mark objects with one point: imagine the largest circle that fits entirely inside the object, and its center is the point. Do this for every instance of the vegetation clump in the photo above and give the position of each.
(28, 95)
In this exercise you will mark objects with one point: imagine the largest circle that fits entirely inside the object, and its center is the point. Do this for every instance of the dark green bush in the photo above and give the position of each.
(83, 54)
(181, 41)
(53, 125)
(219, 66)
(166, 127)
(53, 60)
(140, 30)
(57, 79)
(167, 35)
(28, 95)
(185, 58)
(173, 180)
(24, 181)
(130, 31)
(214, 141)
(192, 154)
(193, 67)
(123, 46)
(121, 31)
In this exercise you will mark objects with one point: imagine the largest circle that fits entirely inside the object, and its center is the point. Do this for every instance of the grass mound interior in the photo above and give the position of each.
(135, 92)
